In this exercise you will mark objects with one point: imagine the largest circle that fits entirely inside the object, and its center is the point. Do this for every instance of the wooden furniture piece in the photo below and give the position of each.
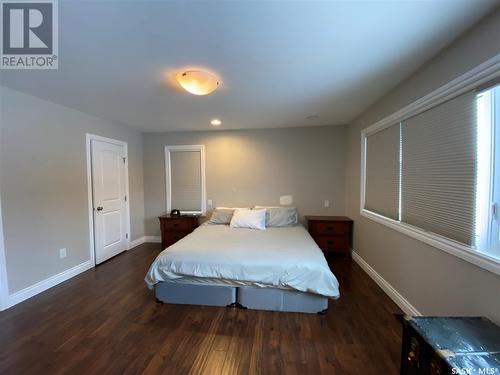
(173, 228)
(331, 233)
(450, 345)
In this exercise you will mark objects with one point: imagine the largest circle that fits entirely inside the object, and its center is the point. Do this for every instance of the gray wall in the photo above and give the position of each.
(430, 279)
(44, 188)
(44, 185)
(248, 167)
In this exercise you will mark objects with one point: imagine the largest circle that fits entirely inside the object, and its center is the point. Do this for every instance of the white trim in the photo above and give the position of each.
(144, 239)
(4, 280)
(442, 243)
(48, 283)
(136, 242)
(4, 283)
(52, 281)
(398, 299)
(168, 191)
(477, 76)
(362, 198)
(89, 197)
(89, 138)
(152, 239)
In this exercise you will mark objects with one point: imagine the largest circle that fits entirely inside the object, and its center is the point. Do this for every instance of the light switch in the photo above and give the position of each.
(327, 203)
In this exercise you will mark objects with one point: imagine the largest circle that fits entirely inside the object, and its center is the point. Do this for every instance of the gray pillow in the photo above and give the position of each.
(221, 216)
(280, 216)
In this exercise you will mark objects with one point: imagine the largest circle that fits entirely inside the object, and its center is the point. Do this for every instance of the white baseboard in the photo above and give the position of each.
(154, 239)
(403, 304)
(144, 239)
(43, 285)
(136, 242)
(24, 294)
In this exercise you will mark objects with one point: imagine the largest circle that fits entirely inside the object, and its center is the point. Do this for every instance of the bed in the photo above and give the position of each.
(280, 269)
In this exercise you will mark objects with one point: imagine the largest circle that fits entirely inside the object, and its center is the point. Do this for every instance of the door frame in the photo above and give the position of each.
(4, 283)
(89, 138)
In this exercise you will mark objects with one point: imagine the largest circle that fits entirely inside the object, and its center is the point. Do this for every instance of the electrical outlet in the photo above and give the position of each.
(62, 253)
(327, 203)
(210, 203)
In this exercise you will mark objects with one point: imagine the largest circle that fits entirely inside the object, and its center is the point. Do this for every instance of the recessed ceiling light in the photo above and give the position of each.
(198, 82)
(312, 117)
(216, 122)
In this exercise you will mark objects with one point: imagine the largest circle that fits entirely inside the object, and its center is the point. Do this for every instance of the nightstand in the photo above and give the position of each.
(331, 233)
(173, 228)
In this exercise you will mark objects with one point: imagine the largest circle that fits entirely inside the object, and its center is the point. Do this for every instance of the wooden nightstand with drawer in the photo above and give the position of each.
(173, 228)
(331, 233)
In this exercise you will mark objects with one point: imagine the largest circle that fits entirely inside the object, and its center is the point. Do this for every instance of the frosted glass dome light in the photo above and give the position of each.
(198, 82)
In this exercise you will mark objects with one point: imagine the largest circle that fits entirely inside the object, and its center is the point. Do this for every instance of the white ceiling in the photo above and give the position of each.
(280, 61)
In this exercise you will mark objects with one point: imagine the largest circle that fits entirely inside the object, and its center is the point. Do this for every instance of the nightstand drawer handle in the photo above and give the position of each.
(330, 228)
(176, 224)
(413, 355)
(329, 242)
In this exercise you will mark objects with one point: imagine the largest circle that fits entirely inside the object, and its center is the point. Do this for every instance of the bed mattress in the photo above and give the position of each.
(285, 258)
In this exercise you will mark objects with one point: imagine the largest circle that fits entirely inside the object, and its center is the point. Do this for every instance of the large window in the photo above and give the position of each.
(434, 174)
(185, 178)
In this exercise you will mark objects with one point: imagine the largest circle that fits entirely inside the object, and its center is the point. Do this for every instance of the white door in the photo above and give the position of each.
(109, 199)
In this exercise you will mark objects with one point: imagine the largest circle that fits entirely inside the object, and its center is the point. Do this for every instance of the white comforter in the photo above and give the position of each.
(286, 258)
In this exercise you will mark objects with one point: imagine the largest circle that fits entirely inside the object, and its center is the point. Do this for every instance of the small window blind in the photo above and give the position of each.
(439, 169)
(382, 172)
(185, 180)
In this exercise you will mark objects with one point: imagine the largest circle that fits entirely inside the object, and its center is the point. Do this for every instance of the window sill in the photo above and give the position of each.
(451, 247)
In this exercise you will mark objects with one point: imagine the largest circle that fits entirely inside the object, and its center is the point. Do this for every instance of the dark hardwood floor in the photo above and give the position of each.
(106, 321)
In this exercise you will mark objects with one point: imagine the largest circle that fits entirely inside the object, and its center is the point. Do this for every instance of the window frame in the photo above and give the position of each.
(168, 176)
(480, 75)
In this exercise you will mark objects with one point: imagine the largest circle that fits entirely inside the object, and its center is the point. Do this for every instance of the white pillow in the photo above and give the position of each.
(221, 216)
(280, 216)
(247, 218)
(232, 208)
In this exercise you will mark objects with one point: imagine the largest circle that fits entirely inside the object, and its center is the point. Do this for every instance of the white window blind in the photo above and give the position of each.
(382, 172)
(449, 168)
(184, 179)
(438, 170)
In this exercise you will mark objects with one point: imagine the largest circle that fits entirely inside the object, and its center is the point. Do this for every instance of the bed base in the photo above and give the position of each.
(281, 300)
(187, 294)
(241, 297)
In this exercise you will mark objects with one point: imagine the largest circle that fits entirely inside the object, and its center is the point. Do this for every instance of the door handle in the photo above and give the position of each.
(99, 208)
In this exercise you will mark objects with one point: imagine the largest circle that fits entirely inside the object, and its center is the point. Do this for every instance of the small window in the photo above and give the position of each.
(185, 178)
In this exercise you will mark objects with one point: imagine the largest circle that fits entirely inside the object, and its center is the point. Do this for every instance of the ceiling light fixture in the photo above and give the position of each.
(216, 122)
(198, 82)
